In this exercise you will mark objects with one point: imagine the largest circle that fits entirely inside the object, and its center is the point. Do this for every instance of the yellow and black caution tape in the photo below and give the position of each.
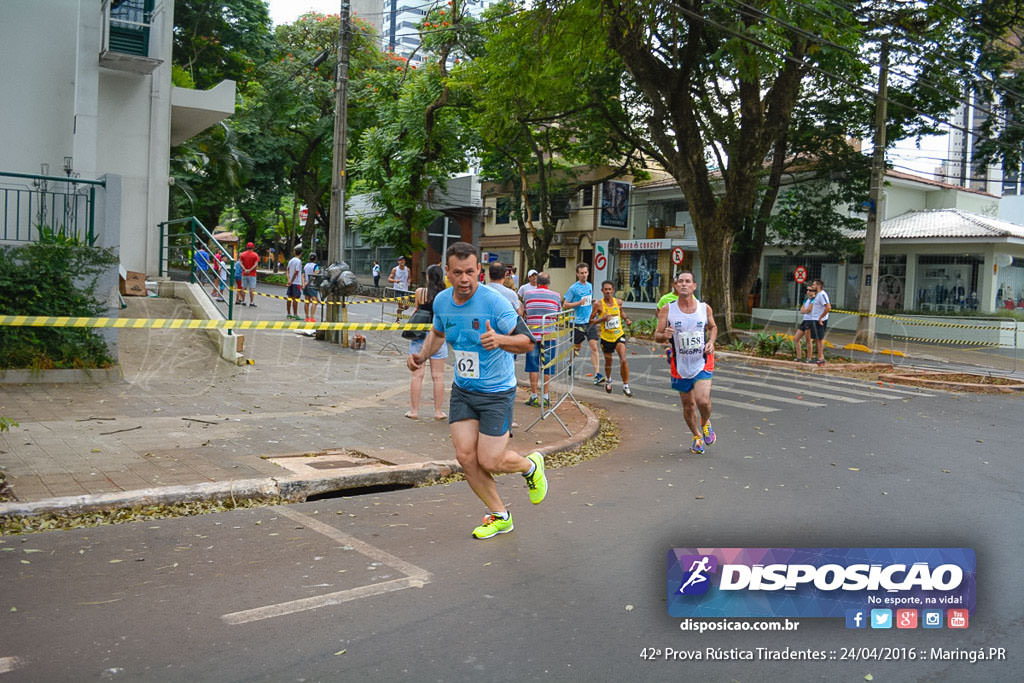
(918, 321)
(348, 302)
(957, 342)
(192, 324)
(545, 366)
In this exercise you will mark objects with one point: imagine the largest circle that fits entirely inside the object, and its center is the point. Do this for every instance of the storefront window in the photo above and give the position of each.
(644, 276)
(1010, 284)
(948, 283)
(892, 282)
(781, 290)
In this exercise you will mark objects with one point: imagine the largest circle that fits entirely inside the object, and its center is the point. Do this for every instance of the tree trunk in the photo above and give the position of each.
(715, 243)
(745, 264)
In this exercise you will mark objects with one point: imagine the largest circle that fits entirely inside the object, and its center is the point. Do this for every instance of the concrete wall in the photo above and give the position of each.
(57, 101)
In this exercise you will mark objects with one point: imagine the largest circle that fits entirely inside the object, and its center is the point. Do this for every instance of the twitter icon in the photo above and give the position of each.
(881, 618)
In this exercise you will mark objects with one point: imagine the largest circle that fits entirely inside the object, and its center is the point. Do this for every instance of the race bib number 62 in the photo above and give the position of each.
(467, 364)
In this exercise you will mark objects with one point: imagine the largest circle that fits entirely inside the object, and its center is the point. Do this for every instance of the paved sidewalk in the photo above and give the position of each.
(184, 424)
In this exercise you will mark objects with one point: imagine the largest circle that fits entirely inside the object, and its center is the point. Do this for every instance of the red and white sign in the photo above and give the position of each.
(800, 274)
(600, 262)
(677, 255)
(303, 215)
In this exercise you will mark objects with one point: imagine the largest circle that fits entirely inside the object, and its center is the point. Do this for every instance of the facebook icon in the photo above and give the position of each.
(856, 618)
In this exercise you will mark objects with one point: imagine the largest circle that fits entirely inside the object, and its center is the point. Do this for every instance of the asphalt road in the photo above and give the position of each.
(391, 586)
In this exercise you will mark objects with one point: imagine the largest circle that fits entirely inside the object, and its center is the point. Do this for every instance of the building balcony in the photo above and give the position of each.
(193, 111)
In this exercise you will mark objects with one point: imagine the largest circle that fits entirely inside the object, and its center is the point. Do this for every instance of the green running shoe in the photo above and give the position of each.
(536, 482)
(492, 526)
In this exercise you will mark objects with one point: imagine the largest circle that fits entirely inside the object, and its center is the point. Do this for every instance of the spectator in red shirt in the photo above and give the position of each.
(249, 259)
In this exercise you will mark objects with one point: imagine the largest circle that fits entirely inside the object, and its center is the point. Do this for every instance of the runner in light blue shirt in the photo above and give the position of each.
(476, 368)
(483, 331)
(581, 297)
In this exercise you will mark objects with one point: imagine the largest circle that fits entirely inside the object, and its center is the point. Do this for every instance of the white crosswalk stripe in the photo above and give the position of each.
(769, 390)
(819, 381)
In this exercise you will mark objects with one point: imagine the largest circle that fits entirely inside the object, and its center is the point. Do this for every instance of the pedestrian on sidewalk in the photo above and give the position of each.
(819, 313)
(539, 302)
(688, 325)
(806, 327)
(484, 331)
(424, 298)
(239, 292)
(376, 274)
(221, 269)
(296, 283)
(311, 293)
(399, 277)
(250, 260)
(496, 272)
(608, 316)
(531, 283)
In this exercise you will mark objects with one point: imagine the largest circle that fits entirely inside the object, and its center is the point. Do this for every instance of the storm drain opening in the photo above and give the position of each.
(358, 491)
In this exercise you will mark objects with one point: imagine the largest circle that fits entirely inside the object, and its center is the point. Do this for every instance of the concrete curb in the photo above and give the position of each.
(62, 376)
(294, 488)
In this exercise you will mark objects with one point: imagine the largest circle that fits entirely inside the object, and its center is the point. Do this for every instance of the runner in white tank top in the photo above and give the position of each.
(688, 326)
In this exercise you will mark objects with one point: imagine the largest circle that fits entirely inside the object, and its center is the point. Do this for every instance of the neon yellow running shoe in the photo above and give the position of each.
(536, 482)
(492, 526)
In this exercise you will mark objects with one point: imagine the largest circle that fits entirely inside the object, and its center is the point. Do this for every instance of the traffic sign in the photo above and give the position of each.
(677, 255)
(800, 274)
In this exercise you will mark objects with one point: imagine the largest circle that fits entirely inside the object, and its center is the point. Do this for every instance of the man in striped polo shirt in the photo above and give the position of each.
(538, 302)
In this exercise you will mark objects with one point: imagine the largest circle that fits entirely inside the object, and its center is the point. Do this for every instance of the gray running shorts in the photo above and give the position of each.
(494, 411)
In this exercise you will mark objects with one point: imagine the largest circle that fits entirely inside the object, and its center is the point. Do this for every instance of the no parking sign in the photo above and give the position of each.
(800, 274)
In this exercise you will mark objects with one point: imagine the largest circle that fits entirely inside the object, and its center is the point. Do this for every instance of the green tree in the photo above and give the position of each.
(535, 127)
(419, 135)
(287, 117)
(214, 41)
(718, 93)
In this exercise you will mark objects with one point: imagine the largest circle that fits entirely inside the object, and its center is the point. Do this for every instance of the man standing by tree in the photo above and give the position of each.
(580, 297)
(484, 331)
(399, 277)
(531, 283)
(689, 326)
(819, 318)
(249, 260)
(296, 283)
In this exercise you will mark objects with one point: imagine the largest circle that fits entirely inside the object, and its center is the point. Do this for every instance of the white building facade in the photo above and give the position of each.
(87, 95)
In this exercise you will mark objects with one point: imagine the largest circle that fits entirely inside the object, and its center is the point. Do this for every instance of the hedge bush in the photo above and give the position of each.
(55, 276)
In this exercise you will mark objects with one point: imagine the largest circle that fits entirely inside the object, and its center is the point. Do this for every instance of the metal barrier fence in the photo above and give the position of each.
(556, 351)
(32, 204)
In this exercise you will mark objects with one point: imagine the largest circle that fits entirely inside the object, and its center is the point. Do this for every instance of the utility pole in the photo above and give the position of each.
(336, 230)
(872, 238)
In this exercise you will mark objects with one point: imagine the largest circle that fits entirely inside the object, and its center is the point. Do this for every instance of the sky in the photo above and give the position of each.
(287, 11)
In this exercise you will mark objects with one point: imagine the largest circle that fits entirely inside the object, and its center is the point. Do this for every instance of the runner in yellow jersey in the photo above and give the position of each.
(607, 314)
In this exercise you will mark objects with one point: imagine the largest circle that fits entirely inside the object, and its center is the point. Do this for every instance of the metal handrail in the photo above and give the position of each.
(198, 234)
